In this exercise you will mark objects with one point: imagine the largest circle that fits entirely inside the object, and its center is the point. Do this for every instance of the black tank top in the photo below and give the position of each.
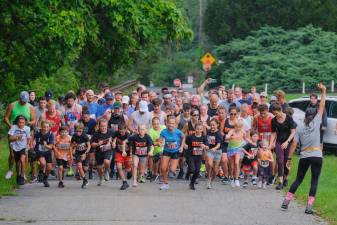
(190, 128)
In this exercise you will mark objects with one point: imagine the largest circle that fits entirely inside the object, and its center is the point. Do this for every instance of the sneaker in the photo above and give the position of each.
(285, 183)
(196, 181)
(142, 179)
(124, 186)
(77, 176)
(245, 184)
(149, 175)
(100, 181)
(259, 184)
(171, 175)
(187, 176)
(106, 175)
(254, 181)
(61, 185)
(279, 186)
(9, 174)
(90, 175)
(225, 181)
(192, 186)
(20, 180)
(264, 185)
(181, 175)
(308, 209)
(209, 185)
(271, 180)
(128, 175)
(135, 184)
(33, 179)
(241, 176)
(285, 204)
(70, 172)
(45, 183)
(232, 183)
(40, 176)
(84, 183)
(237, 183)
(164, 187)
(154, 178)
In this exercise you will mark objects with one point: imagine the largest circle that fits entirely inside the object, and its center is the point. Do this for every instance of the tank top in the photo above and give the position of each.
(19, 109)
(227, 126)
(55, 122)
(264, 128)
(182, 122)
(190, 128)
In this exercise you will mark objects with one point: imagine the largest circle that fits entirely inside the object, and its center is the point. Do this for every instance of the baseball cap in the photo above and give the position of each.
(118, 93)
(48, 94)
(24, 96)
(273, 98)
(143, 106)
(167, 96)
(109, 96)
(117, 105)
(125, 99)
(264, 94)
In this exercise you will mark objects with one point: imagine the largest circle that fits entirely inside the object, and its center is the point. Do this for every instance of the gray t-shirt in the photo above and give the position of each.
(309, 137)
(24, 133)
(139, 118)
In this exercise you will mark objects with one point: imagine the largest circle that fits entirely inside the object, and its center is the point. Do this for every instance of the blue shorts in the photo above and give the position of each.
(233, 151)
(215, 155)
(172, 155)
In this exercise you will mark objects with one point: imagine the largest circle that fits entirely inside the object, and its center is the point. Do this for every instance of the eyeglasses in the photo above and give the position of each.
(232, 114)
(195, 115)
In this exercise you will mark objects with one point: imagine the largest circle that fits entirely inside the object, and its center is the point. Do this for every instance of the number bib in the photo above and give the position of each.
(141, 151)
(197, 151)
(265, 163)
(81, 147)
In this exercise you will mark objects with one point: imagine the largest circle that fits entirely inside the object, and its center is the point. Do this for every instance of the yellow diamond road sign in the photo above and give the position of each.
(208, 59)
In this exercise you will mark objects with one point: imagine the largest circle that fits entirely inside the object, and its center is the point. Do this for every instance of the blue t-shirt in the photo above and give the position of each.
(103, 108)
(172, 140)
(93, 108)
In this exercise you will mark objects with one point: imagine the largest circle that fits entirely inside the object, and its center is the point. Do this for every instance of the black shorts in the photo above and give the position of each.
(62, 162)
(172, 155)
(46, 155)
(156, 158)
(78, 158)
(224, 147)
(92, 150)
(17, 154)
(32, 155)
(101, 156)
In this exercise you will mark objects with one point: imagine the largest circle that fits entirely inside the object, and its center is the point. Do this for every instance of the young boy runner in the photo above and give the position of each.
(122, 157)
(195, 145)
(19, 138)
(81, 145)
(44, 140)
(249, 161)
(63, 152)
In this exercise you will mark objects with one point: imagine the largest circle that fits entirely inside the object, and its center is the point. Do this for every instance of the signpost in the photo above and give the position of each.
(207, 61)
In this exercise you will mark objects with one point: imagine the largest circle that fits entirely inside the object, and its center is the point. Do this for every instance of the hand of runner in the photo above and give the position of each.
(285, 145)
(321, 87)
(288, 164)
(124, 154)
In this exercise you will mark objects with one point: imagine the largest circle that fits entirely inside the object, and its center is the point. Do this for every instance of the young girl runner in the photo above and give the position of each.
(81, 147)
(265, 157)
(20, 140)
(249, 161)
(172, 139)
(44, 140)
(63, 152)
(122, 156)
(235, 140)
(214, 152)
(195, 145)
(141, 145)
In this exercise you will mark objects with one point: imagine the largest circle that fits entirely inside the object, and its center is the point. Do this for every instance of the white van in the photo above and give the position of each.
(330, 137)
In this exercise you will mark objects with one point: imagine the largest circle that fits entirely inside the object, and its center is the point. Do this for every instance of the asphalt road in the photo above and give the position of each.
(146, 204)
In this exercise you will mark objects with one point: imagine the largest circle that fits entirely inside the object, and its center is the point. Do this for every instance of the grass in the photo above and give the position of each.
(326, 199)
(291, 96)
(6, 186)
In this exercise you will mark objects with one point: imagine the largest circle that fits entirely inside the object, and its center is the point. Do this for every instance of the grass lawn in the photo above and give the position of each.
(291, 96)
(326, 199)
(6, 186)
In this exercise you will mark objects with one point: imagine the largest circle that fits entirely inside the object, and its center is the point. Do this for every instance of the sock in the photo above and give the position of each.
(311, 200)
(289, 196)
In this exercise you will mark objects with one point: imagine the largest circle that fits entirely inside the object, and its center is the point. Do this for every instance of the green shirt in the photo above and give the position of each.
(154, 136)
(19, 109)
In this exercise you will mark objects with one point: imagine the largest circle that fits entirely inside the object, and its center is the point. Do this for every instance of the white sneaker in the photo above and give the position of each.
(232, 183)
(106, 175)
(100, 181)
(164, 187)
(135, 184)
(237, 183)
(209, 185)
(264, 185)
(259, 185)
(9, 174)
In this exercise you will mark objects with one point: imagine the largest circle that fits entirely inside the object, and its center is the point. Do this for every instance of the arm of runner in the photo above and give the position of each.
(88, 147)
(216, 147)
(201, 89)
(291, 152)
(272, 140)
(32, 116)
(322, 89)
(182, 141)
(291, 136)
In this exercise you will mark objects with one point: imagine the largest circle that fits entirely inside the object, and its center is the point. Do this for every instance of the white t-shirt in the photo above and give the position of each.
(18, 145)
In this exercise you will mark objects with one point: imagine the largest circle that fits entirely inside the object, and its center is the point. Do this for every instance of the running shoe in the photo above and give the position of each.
(164, 187)
(52, 175)
(61, 185)
(264, 185)
(192, 186)
(135, 184)
(308, 209)
(181, 175)
(259, 184)
(149, 175)
(20, 180)
(90, 175)
(187, 176)
(45, 183)
(100, 181)
(124, 186)
(279, 186)
(142, 179)
(285, 204)
(128, 175)
(203, 168)
(209, 185)
(106, 175)
(241, 176)
(154, 177)
(245, 184)
(33, 179)
(225, 181)
(237, 183)
(70, 172)
(77, 176)
(40, 176)
(232, 183)
(285, 183)
(271, 180)
(84, 183)
(9, 174)
(254, 181)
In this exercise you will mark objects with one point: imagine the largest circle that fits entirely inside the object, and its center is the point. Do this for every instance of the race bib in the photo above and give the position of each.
(81, 147)
(42, 148)
(265, 163)
(63, 146)
(106, 147)
(197, 151)
(211, 140)
(141, 151)
(172, 145)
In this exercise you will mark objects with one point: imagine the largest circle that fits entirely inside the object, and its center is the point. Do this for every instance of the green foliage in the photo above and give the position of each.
(41, 39)
(283, 59)
(228, 19)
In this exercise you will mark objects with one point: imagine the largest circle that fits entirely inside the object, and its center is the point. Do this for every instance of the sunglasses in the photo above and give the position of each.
(232, 114)
(195, 115)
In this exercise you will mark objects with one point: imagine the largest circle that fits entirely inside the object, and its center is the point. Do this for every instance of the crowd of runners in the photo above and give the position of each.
(234, 137)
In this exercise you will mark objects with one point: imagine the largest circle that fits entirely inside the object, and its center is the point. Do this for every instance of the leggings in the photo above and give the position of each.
(303, 166)
(194, 164)
(281, 159)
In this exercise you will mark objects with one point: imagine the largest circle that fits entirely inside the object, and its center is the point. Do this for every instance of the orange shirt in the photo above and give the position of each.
(63, 148)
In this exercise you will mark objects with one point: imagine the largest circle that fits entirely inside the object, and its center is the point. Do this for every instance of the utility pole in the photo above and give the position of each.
(200, 22)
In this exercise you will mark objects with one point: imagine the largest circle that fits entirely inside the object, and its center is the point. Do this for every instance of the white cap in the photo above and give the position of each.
(273, 98)
(125, 99)
(143, 106)
(263, 94)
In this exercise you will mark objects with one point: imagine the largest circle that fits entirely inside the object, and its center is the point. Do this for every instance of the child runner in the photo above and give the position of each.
(102, 142)
(195, 145)
(249, 161)
(63, 152)
(141, 145)
(81, 147)
(214, 152)
(154, 133)
(235, 140)
(19, 138)
(122, 157)
(172, 139)
(44, 140)
(265, 157)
